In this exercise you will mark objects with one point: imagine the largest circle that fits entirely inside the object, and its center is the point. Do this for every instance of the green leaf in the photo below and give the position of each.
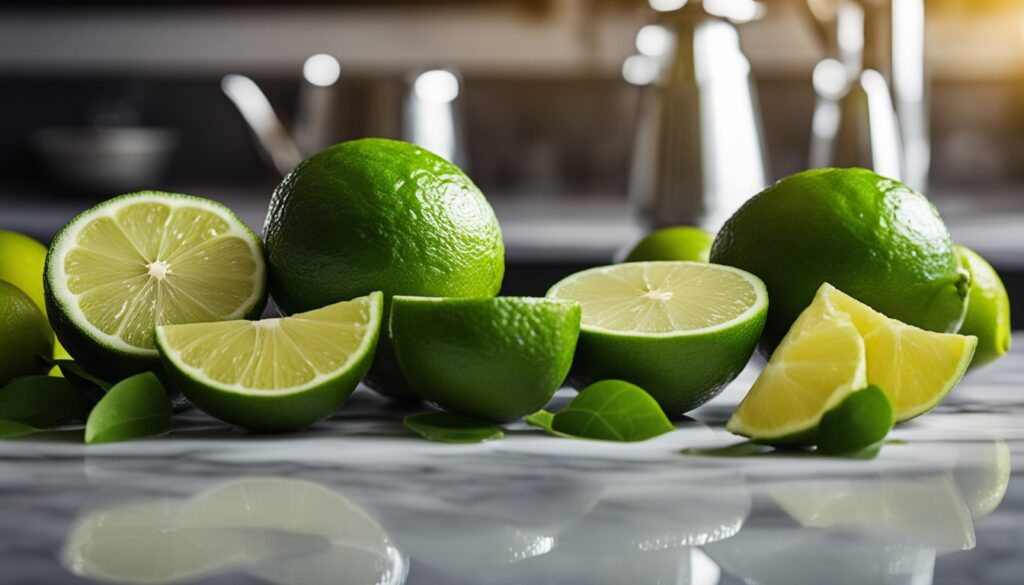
(612, 410)
(134, 408)
(10, 429)
(79, 377)
(42, 402)
(861, 420)
(541, 419)
(451, 428)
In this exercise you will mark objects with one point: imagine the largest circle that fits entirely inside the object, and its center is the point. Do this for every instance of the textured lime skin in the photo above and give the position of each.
(109, 363)
(862, 419)
(873, 238)
(276, 412)
(495, 359)
(680, 371)
(988, 309)
(674, 243)
(379, 214)
(21, 264)
(24, 335)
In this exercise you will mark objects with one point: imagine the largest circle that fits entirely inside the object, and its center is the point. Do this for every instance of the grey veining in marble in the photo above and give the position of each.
(357, 501)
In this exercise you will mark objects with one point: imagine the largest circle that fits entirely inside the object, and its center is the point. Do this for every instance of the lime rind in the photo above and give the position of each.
(69, 311)
(375, 309)
(760, 304)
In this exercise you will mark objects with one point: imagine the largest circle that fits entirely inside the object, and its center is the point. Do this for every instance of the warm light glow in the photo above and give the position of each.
(667, 5)
(640, 69)
(322, 70)
(829, 78)
(738, 10)
(653, 40)
(437, 86)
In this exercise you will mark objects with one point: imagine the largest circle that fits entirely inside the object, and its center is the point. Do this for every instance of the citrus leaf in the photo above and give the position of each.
(541, 419)
(861, 420)
(612, 410)
(76, 375)
(133, 408)
(451, 428)
(10, 429)
(42, 402)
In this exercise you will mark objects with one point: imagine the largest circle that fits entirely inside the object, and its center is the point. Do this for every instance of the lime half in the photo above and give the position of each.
(142, 260)
(819, 362)
(680, 330)
(275, 374)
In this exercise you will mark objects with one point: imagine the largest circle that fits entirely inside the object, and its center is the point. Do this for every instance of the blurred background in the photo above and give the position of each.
(585, 122)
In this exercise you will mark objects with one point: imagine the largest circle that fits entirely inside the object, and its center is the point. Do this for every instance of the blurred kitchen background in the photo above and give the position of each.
(584, 121)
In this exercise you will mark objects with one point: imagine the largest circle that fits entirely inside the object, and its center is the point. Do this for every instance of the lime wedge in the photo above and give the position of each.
(679, 330)
(819, 362)
(916, 368)
(142, 260)
(275, 374)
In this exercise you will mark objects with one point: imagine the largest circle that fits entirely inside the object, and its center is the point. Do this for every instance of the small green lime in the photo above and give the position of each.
(862, 419)
(988, 309)
(871, 237)
(378, 214)
(496, 359)
(679, 330)
(24, 335)
(674, 243)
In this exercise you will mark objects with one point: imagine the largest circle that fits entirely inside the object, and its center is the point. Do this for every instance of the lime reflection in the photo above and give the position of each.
(282, 531)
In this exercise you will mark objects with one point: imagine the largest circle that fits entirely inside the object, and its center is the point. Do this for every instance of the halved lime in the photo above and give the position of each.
(916, 368)
(142, 260)
(275, 374)
(497, 359)
(819, 362)
(679, 330)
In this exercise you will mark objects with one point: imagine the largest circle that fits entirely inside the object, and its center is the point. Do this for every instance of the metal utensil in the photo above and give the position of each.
(255, 108)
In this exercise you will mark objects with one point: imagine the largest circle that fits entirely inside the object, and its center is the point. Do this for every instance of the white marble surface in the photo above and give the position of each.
(357, 500)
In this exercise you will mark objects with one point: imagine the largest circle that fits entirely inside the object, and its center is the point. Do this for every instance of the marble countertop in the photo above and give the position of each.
(356, 500)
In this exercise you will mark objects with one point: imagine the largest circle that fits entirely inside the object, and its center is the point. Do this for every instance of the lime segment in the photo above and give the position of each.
(819, 362)
(274, 374)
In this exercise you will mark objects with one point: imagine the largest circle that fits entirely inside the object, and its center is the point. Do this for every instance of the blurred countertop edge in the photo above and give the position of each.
(553, 229)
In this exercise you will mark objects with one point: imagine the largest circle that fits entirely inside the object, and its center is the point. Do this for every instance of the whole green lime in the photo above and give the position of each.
(22, 260)
(988, 309)
(496, 359)
(379, 214)
(673, 243)
(24, 335)
(871, 237)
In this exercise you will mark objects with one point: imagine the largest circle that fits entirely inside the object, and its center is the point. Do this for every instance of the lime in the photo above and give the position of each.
(679, 330)
(916, 368)
(496, 359)
(383, 215)
(24, 335)
(862, 419)
(872, 237)
(21, 263)
(988, 309)
(275, 374)
(819, 362)
(145, 259)
(674, 243)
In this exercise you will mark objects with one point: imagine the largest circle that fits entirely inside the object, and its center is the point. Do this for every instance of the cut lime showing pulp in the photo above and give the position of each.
(142, 260)
(275, 374)
(679, 330)
(819, 362)
(916, 368)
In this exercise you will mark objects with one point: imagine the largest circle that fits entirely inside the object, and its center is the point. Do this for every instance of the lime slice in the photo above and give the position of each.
(916, 368)
(142, 260)
(819, 362)
(679, 330)
(275, 374)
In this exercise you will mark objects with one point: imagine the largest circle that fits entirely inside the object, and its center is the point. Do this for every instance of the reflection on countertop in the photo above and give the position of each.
(357, 500)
